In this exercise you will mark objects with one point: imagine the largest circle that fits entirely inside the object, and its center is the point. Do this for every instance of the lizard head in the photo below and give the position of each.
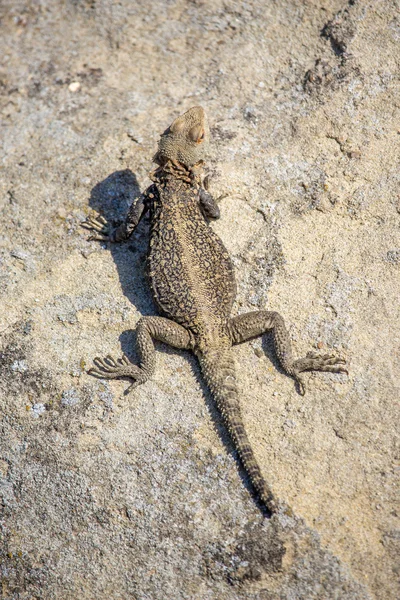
(186, 139)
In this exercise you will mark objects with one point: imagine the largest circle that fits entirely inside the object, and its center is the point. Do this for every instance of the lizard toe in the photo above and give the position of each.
(99, 227)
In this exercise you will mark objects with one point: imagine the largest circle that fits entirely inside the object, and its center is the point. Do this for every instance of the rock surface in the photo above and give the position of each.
(108, 496)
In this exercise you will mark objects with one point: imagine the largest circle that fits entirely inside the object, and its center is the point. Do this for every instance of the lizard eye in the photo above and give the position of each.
(196, 134)
(177, 126)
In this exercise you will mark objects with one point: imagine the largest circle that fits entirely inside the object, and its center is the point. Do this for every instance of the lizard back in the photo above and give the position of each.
(190, 271)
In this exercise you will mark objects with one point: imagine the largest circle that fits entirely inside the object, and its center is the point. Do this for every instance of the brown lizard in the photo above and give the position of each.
(192, 280)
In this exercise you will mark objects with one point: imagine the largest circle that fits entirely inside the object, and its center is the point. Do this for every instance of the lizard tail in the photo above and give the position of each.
(218, 368)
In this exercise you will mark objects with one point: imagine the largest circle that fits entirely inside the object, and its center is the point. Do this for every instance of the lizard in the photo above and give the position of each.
(193, 283)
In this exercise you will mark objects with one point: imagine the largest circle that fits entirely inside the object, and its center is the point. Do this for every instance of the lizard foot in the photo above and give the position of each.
(313, 361)
(109, 368)
(99, 226)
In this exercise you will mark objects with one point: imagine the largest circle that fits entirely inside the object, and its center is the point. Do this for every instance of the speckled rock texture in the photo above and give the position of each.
(106, 496)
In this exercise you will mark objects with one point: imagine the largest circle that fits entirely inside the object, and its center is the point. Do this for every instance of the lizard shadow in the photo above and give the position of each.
(112, 198)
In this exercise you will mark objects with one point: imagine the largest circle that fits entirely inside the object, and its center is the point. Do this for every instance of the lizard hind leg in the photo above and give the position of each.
(148, 329)
(253, 324)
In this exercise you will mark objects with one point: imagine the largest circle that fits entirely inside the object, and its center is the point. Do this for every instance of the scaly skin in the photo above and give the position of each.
(192, 280)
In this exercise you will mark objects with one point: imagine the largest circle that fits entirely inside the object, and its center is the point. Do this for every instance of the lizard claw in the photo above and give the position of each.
(98, 237)
(300, 384)
(132, 387)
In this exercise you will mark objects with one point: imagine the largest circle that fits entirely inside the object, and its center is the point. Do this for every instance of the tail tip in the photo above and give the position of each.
(274, 506)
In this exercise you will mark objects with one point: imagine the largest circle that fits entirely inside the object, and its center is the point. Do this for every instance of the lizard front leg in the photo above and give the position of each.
(253, 324)
(101, 229)
(148, 329)
(208, 204)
